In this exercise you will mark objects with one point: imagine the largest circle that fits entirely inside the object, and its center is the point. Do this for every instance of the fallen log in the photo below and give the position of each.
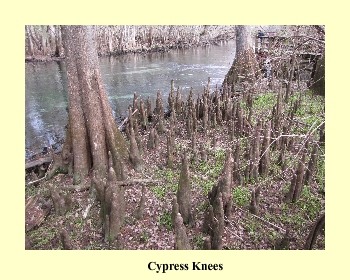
(37, 208)
(38, 162)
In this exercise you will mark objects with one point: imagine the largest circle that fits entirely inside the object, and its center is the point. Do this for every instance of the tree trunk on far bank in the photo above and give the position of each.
(245, 66)
(92, 131)
(30, 42)
(58, 40)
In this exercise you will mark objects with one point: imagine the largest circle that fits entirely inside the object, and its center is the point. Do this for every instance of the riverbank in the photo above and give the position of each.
(142, 50)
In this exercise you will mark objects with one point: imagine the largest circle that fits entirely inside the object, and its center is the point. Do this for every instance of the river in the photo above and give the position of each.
(46, 97)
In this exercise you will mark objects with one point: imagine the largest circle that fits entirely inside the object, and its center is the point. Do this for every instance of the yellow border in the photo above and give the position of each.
(16, 262)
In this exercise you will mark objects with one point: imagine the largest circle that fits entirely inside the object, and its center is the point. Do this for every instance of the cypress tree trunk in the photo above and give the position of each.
(245, 63)
(93, 131)
(316, 229)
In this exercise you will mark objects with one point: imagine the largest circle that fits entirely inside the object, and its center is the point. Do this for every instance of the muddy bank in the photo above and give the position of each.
(42, 58)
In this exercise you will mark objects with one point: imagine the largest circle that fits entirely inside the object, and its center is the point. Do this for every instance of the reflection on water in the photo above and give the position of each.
(45, 104)
(46, 86)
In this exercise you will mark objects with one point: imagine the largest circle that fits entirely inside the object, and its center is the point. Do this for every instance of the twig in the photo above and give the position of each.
(136, 182)
(36, 181)
(226, 220)
(290, 135)
(240, 238)
(311, 38)
(86, 211)
(119, 127)
(261, 219)
(308, 134)
(298, 122)
(233, 223)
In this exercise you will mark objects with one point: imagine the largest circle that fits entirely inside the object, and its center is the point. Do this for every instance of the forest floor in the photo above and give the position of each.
(154, 231)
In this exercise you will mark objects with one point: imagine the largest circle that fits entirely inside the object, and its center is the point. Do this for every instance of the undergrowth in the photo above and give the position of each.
(249, 232)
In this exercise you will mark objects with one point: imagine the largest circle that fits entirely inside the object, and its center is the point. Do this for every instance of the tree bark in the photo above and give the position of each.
(184, 191)
(30, 41)
(92, 131)
(316, 229)
(319, 79)
(43, 40)
(245, 65)
(58, 40)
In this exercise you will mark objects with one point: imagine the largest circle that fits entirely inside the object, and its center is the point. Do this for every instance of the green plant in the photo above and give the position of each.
(203, 167)
(320, 174)
(309, 112)
(294, 97)
(241, 196)
(272, 236)
(268, 216)
(169, 174)
(159, 191)
(298, 220)
(30, 191)
(144, 236)
(198, 240)
(207, 186)
(220, 154)
(285, 216)
(43, 236)
(41, 190)
(290, 218)
(309, 204)
(251, 225)
(43, 239)
(171, 178)
(130, 219)
(264, 102)
(203, 206)
(212, 168)
(165, 220)
(250, 181)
